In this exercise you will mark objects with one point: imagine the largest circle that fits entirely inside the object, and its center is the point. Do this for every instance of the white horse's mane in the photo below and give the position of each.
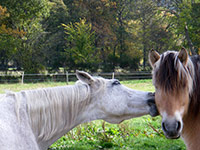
(53, 109)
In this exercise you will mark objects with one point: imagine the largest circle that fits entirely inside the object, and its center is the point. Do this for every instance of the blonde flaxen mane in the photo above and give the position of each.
(52, 109)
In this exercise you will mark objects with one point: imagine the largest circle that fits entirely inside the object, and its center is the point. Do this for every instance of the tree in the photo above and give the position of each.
(80, 45)
(114, 34)
(54, 38)
(101, 15)
(185, 22)
(150, 28)
(9, 39)
(25, 16)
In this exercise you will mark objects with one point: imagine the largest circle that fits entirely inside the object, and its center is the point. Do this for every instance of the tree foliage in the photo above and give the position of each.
(80, 44)
(184, 22)
(9, 39)
(22, 33)
(38, 35)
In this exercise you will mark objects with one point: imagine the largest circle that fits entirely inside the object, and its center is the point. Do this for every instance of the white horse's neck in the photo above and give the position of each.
(55, 111)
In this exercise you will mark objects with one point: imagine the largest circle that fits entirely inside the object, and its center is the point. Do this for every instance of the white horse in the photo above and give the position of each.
(35, 119)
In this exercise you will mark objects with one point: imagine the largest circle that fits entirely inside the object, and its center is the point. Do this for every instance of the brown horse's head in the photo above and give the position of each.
(172, 78)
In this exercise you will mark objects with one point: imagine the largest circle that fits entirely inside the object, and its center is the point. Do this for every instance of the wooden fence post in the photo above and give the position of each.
(67, 77)
(113, 75)
(22, 77)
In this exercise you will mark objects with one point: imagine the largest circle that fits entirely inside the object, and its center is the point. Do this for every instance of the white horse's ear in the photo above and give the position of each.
(183, 56)
(84, 76)
(153, 57)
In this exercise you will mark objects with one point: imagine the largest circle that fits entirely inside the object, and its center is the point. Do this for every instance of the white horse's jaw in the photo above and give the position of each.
(130, 105)
(143, 103)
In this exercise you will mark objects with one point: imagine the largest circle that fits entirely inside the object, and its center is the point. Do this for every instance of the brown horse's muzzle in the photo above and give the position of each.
(172, 128)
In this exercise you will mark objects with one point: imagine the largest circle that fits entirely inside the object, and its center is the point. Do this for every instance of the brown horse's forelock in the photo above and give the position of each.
(167, 76)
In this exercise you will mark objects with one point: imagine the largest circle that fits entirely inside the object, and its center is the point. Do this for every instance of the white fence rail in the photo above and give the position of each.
(21, 77)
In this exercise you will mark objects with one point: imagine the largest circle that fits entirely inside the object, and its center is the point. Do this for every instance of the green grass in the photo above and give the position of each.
(136, 134)
(142, 133)
(18, 86)
(143, 85)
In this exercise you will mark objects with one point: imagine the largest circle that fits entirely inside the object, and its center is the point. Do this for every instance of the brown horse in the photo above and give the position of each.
(176, 77)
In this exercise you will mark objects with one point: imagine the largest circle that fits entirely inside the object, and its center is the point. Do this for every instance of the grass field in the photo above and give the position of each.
(142, 133)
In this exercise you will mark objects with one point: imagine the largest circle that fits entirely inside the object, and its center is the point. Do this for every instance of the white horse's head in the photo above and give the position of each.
(114, 102)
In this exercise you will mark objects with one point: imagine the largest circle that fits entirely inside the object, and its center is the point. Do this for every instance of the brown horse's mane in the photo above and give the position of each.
(172, 76)
(195, 96)
(167, 76)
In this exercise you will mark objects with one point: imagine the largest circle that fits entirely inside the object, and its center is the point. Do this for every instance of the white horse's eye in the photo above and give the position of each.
(116, 82)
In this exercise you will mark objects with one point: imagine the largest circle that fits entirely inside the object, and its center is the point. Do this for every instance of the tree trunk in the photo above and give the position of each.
(190, 44)
(144, 56)
(144, 45)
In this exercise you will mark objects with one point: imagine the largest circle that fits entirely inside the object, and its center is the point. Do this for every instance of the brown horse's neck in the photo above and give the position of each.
(191, 122)
(194, 107)
(191, 131)
(191, 127)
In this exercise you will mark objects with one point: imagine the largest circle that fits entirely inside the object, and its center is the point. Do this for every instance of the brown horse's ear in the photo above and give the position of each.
(183, 56)
(153, 57)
